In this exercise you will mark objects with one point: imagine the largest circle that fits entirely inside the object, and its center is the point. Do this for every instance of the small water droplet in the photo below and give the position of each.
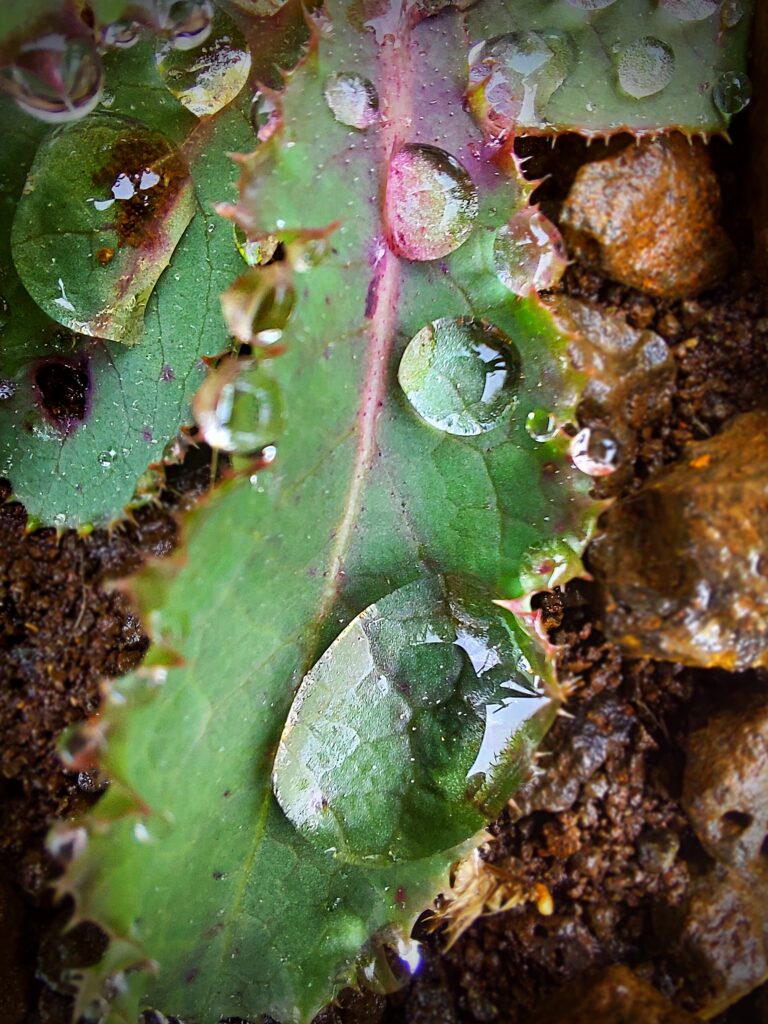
(255, 253)
(732, 92)
(513, 76)
(239, 409)
(188, 23)
(431, 203)
(210, 75)
(121, 35)
(731, 13)
(56, 78)
(106, 458)
(541, 425)
(353, 100)
(461, 375)
(690, 10)
(595, 451)
(529, 253)
(645, 67)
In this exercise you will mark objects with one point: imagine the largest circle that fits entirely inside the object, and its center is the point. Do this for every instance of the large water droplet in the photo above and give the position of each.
(732, 92)
(512, 77)
(595, 451)
(529, 253)
(431, 203)
(645, 67)
(417, 722)
(353, 100)
(205, 75)
(239, 408)
(690, 10)
(56, 78)
(461, 376)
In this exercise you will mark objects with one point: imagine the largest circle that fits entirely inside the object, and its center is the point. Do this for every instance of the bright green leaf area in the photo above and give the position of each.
(139, 395)
(190, 861)
(632, 65)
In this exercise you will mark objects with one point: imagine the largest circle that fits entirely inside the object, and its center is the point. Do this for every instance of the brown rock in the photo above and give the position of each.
(725, 789)
(683, 563)
(616, 996)
(648, 217)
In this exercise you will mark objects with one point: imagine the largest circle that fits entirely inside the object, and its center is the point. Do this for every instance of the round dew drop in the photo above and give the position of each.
(189, 23)
(353, 100)
(595, 451)
(645, 67)
(431, 203)
(541, 425)
(56, 78)
(461, 375)
(529, 253)
(731, 93)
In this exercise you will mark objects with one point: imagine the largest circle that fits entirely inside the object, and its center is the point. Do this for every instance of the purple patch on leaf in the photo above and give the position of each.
(63, 388)
(167, 374)
(146, 435)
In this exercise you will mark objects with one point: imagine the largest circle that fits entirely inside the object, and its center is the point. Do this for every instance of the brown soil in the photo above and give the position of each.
(605, 832)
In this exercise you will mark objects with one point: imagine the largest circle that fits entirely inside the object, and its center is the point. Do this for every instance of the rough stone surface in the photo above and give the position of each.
(725, 790)
(616, 996)
(684, 560)
(648, 217)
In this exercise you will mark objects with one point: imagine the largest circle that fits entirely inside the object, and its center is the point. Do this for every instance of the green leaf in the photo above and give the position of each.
(189, 861)
(599, 68)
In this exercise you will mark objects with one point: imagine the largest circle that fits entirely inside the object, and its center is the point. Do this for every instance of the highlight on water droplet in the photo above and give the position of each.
(595, 451)
(690, 10)
(204, 71)
(512, 77)
(55, 78)
(431, 203)
(732, 92)
(239, 407)
(645, 67)
(541, 425)
(529, 253)
(353, 99)
(461, 375)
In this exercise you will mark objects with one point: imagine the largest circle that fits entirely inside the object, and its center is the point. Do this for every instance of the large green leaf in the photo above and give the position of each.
(188, 860)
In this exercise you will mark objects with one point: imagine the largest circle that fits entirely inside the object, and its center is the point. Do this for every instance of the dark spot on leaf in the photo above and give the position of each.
(105, 255)
(218, 875)
(63, 391)
(400, 895)
(227, 792)
(191, 975)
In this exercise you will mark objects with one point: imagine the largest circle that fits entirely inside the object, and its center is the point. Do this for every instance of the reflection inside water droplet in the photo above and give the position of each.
(541, 425)
(121, 35)
(239, 408)
(460, 375)
(690, 10)
(513, 76)
(431, 203)
(189, 23)
(353, 100)
(529, 253)
(645, 67)
(732, 92)
(595, 451)
(56, 78)
(205, 74)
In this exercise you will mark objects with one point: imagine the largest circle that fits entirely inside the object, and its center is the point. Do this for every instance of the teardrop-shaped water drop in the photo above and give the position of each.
(529, 253)
(690, 10)
(208, 75)
(595, 451)
(461, 375)
(56, 78)
(645, 67)
(353, 100)
(513, 76)
(239, 407)
(541, 425)
(431, 203)
(732, 92)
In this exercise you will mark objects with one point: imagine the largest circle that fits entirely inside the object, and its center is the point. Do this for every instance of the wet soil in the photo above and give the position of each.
(604, 831)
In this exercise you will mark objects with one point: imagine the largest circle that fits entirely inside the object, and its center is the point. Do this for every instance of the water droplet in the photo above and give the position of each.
(239, 408)
(255, 253)
(595, 451)
(431, 203)
(188, 23)
(731, 13)
(645, 67)
(461, 375)
(591, 5)
(541, 425)
(259, 305)
(92, 781)
(512, 77)
(121, 35)
(529, 253)
(690, 10)
(56, 78)
(106, 458)
(211, 75)
(732, 92)
(265, 115)
(353, 100)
